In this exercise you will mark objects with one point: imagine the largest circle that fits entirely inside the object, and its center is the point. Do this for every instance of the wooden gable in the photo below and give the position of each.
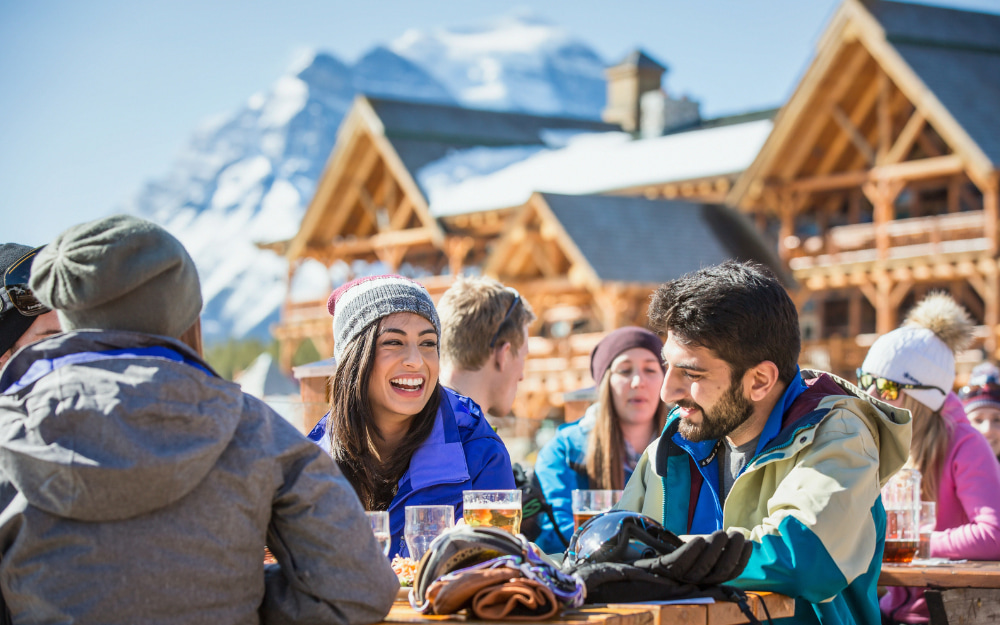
(367, 205)
(874, 189)
(862, 119)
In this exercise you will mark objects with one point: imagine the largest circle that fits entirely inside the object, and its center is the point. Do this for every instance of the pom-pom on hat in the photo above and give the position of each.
(118, 273)
(357, 304)
(618, 341)
(983, 389)
(922, 351)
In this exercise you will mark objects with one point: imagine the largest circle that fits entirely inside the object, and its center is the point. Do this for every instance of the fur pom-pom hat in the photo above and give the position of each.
(922, 351)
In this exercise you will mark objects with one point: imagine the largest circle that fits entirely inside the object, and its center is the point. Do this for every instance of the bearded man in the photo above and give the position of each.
(793, 459)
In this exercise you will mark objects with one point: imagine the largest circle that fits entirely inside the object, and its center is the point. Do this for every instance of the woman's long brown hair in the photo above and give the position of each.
(929, 445)
(353, 431)
(605, 459)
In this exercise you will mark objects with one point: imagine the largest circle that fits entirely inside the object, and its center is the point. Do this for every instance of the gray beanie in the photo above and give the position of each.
(118, 273)
(356, 304)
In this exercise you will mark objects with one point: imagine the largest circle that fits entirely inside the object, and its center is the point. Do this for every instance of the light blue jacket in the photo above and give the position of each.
(560, 469)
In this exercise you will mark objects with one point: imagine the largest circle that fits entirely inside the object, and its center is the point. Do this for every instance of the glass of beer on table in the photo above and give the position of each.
(493, 508)
(590, 503)
(901, 499)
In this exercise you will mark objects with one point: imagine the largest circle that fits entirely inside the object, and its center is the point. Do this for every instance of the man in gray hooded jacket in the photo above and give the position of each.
(136, 486)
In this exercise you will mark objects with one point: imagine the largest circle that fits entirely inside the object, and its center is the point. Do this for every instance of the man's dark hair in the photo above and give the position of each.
(739, 310)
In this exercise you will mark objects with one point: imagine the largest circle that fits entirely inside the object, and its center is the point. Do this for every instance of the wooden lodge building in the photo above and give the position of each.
(876, 182)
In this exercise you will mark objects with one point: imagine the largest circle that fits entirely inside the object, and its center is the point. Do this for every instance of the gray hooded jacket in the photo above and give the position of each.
(138, 487)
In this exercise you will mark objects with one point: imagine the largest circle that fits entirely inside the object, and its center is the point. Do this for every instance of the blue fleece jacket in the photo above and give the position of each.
(461, 453)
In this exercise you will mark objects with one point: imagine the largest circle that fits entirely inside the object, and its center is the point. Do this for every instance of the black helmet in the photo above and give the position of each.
(619, 536)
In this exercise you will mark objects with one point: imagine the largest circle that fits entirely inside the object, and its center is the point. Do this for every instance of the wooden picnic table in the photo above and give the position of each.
(718, 613)
(966, 593)
(952, 575)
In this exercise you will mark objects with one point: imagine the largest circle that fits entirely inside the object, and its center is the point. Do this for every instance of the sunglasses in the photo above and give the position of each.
(889, 389)
(510, 309)
(15, 294)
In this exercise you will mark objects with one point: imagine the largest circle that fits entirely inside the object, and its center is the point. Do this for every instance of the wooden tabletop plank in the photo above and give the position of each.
(955, 575)
(719, 613)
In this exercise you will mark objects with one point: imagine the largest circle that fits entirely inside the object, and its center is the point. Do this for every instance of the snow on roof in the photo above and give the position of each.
(465, 182)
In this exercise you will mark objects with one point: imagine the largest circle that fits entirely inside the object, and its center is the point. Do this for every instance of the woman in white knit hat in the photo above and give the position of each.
(913, 367)
(400, 437)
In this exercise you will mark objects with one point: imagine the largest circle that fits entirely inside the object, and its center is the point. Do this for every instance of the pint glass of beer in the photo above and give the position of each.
(590, 503)
(901, 498)
(492, 508)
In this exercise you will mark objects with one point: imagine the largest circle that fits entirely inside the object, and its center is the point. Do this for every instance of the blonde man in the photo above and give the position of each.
(484, 341)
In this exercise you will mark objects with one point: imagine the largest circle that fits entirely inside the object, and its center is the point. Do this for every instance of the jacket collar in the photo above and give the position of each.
(776, 419)
(83, 346)
(705, 451)
(441, 459)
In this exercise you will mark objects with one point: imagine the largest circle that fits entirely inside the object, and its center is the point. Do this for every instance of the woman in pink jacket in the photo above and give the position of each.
(913, 367)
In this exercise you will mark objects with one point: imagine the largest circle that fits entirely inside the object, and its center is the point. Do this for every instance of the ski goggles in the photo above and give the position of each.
(889, 389)
(620, 536)
(986, 390)
(15, 294)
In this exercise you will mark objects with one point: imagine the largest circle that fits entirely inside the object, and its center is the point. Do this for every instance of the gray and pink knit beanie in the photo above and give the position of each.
(357, 304)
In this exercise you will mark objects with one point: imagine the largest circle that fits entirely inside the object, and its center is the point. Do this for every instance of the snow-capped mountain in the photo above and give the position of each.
(248, 176)
(517, 63)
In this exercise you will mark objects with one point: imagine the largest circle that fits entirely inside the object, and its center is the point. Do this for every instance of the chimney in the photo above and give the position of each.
(659, 113)
(627, 81)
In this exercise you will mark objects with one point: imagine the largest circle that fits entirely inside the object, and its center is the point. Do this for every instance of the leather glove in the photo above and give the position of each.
(614, 582)
(703, 561)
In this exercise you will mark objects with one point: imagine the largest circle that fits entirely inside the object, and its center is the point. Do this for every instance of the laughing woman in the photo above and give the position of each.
(399, 436)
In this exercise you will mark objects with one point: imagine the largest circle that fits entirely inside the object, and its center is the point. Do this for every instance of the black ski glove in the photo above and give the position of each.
(614, 582)
(703, 561)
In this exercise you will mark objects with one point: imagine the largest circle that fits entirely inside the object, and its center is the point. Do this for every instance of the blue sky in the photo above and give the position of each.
(97, 97)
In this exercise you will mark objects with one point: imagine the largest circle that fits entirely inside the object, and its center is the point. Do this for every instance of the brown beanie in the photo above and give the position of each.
(621, 340)
(118, 273)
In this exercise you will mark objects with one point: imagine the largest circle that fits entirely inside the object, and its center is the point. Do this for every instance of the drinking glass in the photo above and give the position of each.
(423, 525)
(590, 503)
(901, 498)
(379, 520)
(928, 520)
(493, 508)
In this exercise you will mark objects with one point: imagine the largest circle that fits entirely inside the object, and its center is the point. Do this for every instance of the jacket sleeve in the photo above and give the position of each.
(494, 470)
(821, 513)
(976, 475)
(330, 568)
(557, 479)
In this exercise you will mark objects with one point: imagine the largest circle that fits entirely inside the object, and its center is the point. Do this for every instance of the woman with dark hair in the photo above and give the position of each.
(600, 450)
(913, 367)
(400, 437)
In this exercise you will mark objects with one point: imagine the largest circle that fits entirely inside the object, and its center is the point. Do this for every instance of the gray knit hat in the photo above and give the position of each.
(118, 273)
(356, 304)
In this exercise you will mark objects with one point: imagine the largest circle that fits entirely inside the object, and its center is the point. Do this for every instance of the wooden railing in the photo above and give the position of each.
(921, 236)
(843, 355)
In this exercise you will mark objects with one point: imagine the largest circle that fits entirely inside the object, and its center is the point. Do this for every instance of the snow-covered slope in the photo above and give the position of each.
(248, 176)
